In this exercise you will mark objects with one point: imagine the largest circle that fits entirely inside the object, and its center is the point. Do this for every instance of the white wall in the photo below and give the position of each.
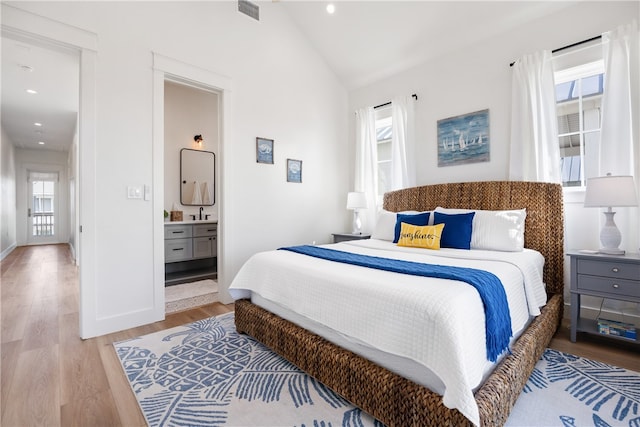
(7, 196)
(188, 111)
(282, 90)
(479, 77)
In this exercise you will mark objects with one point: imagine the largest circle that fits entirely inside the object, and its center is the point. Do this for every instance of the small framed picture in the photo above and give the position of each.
(294, 170)
(264, 150)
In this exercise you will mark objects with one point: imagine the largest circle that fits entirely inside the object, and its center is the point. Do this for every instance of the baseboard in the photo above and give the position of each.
(7, 251)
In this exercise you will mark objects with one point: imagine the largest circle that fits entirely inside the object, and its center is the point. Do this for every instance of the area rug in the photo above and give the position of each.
(189, 295)
(206, 374)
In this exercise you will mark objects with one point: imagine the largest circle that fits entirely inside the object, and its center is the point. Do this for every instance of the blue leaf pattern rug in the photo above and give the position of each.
(206, 374)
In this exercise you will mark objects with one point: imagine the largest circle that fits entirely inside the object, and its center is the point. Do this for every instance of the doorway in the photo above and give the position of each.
(43, 219)
(165, 69)
(191, 138)
(24, 26)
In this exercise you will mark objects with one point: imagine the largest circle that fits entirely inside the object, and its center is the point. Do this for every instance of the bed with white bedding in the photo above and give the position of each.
(411, 350)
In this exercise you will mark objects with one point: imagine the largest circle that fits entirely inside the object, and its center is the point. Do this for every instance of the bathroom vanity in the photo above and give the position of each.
(190, 251)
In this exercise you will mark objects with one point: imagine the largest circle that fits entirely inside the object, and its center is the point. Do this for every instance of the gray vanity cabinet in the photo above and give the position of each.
(190, 252)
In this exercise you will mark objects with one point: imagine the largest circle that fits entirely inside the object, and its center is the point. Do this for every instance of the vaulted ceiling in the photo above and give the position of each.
(363, 41)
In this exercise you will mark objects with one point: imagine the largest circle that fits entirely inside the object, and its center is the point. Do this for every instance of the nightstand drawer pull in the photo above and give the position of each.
(615, 269)
(615, 286)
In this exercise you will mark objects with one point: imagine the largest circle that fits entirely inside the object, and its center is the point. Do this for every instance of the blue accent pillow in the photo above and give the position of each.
(457, 229)
(420, 219)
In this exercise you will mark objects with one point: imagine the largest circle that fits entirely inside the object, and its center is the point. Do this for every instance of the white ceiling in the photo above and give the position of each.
(363, 41)
(54, 74)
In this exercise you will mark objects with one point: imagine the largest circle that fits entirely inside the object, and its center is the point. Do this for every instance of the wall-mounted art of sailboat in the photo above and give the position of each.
(464, 139)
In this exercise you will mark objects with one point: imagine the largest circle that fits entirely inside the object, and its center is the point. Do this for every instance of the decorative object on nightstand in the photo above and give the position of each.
(608, 191)
(356, 201)
(605, 276)
(343, 237)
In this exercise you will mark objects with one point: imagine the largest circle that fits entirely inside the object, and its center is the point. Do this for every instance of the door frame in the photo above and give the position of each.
(166, 68)
(18, 23)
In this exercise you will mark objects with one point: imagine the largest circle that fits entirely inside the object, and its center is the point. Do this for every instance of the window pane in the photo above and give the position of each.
(591, 115)
(383, 133)
(592, 85)
(568, 123)
(568, 142)
(384, 151)
(570, 167)
(563, 91)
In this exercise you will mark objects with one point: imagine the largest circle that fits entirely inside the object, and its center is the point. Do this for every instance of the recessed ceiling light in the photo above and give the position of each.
(31, 91)
(331, 8)
(41, 142)
(37, 124)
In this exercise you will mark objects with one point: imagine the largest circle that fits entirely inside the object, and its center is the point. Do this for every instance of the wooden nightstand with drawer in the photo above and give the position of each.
(606, 276)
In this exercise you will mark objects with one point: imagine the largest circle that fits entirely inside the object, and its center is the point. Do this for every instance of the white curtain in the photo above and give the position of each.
(619, 139)
(534, 151)
(403, 173)
(366, 170)
(619, 114)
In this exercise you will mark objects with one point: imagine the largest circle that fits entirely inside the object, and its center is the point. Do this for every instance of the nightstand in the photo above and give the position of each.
(606, 276)
(343, 237)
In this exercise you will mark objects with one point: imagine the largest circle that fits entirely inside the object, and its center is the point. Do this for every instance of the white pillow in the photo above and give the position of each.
(386, 224)
(495, 230)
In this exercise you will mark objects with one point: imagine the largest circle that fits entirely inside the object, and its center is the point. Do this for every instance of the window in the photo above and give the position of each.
(384, 130)
(578, 103)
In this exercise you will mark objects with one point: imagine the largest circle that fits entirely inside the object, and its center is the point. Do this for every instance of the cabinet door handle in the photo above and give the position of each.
(182, 249)
(178, 232)
(615, 286)
(615, 269)
(211, 229)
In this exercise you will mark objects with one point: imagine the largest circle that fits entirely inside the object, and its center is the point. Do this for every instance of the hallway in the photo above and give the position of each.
(49, 375)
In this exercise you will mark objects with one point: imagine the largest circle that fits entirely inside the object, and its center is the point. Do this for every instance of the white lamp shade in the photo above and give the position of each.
(610, 191)
(356, 200)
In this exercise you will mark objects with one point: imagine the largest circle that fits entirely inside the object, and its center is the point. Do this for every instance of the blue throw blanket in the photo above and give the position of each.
(494, 298)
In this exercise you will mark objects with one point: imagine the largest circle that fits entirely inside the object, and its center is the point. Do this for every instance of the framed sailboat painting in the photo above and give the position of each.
(464, 139)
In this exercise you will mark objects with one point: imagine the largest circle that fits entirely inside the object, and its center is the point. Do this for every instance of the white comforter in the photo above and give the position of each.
(401, 314)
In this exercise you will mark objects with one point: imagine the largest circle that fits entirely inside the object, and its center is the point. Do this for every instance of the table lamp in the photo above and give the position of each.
(608, 191)
(356, 201)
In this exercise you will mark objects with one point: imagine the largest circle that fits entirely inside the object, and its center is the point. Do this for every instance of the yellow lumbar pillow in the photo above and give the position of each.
(416, 236)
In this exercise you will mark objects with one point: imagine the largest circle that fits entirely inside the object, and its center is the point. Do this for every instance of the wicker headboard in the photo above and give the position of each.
(544, 226)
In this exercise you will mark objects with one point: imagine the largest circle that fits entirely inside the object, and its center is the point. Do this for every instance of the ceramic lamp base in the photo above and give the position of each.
(610, 236)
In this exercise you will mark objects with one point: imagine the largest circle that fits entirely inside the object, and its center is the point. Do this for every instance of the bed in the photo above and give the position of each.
(390, 395)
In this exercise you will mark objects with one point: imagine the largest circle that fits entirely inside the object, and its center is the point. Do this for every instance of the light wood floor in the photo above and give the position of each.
(50, 377)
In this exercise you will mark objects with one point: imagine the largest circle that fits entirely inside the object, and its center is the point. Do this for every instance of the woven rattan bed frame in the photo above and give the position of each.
(395, 400)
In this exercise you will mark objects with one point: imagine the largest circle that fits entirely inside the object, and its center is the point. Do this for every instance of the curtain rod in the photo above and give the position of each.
(389, 103)
(569, 46)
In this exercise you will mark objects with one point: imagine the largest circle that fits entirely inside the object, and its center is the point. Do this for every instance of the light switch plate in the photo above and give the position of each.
(134, 192)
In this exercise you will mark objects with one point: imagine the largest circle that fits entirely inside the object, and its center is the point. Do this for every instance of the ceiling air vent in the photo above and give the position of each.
(250, 9)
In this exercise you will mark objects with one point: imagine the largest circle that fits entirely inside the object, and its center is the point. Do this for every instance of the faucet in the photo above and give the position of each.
(201, 209)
